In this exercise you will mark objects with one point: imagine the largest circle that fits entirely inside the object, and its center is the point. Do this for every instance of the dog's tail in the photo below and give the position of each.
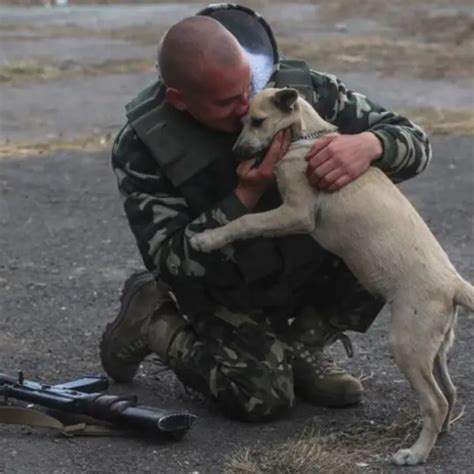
(464, 294)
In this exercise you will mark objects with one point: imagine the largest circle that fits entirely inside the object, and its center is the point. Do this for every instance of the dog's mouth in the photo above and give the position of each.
(259, 155)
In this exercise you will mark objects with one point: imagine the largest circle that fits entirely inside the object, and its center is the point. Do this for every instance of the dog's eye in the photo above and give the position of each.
(256, 122)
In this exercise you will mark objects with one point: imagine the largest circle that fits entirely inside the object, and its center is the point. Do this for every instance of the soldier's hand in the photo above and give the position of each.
(335, 160)
(263, 175)
(254, 181)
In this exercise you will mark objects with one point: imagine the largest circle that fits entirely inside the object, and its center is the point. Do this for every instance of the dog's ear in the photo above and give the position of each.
(285, 99)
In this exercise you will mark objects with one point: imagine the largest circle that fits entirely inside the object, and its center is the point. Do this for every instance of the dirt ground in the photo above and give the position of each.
(65, 248)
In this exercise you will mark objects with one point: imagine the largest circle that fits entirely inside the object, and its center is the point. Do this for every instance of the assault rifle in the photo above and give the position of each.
(85, 397)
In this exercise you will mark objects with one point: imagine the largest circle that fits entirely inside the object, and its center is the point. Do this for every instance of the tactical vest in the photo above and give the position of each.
(200, 163)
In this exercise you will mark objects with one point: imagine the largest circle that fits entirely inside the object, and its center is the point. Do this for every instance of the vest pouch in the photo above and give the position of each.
(300, 251)
(258, 258)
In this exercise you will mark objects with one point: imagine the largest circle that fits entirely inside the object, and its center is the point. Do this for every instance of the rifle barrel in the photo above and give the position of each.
(123, 411)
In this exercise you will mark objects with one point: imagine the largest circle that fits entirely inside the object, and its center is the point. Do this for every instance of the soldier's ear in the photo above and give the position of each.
(285, 99)
(174, 98)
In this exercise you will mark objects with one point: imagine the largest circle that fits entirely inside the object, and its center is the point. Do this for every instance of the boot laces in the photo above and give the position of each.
(321, 362)
(346, 342)
(325, 365)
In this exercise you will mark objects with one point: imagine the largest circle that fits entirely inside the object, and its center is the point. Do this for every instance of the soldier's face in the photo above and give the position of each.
(224, 100)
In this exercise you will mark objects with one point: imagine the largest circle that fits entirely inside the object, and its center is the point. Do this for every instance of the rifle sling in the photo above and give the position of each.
(39, 419)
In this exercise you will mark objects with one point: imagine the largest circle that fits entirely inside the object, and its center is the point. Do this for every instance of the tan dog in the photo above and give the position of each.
(381, 238)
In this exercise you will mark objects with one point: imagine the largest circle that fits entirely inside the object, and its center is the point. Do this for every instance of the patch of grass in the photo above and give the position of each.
(34, 3)
(453, 122)
(404, 57)
(145, 34)
(26, 71)
(422, 40)
(368, 446)
(381, 9)
(452, 29)
(432, 44)
(86, 143)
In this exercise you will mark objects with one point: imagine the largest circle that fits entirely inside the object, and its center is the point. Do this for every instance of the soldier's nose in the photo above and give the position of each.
(243, 109)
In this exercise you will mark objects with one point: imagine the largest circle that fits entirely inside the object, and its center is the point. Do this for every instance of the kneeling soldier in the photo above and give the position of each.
(246, 325)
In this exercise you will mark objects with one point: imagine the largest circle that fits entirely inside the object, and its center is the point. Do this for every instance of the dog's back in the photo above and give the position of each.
(383, 239)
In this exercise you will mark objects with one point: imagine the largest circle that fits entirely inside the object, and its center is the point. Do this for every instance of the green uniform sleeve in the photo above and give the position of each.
(161, 220)
(406, 148)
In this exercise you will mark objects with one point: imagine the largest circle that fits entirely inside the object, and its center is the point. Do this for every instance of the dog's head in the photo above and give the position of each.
(270, 111)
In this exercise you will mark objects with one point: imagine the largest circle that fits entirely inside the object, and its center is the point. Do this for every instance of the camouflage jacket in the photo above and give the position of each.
(163, 215)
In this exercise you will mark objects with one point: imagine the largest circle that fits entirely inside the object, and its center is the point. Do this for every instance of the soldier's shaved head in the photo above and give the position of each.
(206, 72)
(193, 47)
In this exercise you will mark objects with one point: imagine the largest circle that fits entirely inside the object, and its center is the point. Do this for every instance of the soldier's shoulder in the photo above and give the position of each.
(322, 79)
(126, 140)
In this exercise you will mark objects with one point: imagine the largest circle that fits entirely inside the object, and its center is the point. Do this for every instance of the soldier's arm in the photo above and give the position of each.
(406, 148)
(162, 222)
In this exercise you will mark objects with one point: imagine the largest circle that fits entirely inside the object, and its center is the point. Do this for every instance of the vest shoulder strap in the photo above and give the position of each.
(179, 144)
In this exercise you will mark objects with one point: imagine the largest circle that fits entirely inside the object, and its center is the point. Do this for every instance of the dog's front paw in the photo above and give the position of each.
(206, 241)
(407, 457)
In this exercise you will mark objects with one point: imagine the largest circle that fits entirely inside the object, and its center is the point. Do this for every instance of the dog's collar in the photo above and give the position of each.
(260, 154)
(311, 136)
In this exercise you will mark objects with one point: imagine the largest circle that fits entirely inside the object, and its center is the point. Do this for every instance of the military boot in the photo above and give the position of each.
(145, 305)
(317, 378)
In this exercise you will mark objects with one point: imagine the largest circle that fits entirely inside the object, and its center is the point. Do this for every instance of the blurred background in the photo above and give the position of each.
(66, 71)
(68, 67)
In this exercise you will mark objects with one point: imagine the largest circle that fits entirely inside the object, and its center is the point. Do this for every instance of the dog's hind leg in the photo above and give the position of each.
(415, 340)
(441, 374)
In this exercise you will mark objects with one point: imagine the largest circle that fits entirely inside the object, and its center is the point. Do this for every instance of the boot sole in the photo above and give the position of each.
(330, 402)
(137, 280)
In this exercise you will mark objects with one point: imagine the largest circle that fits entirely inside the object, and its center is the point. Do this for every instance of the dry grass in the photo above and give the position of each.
(27, 71)
(341, 9)
(405, 57)
(382, 9)
(422, 45)
(145, 34)
(453, 122)
(426, 46)
(454, 29)
(34, 3)
(87, 143)
(368, 446)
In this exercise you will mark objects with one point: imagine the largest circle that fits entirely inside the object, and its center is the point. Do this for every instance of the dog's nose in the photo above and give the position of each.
(242, 153)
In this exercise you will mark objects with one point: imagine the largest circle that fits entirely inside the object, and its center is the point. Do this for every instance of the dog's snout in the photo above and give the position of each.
(242, 152)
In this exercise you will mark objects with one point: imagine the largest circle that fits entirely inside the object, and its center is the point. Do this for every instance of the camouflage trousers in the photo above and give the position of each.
(237, 360)
(244, 360)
